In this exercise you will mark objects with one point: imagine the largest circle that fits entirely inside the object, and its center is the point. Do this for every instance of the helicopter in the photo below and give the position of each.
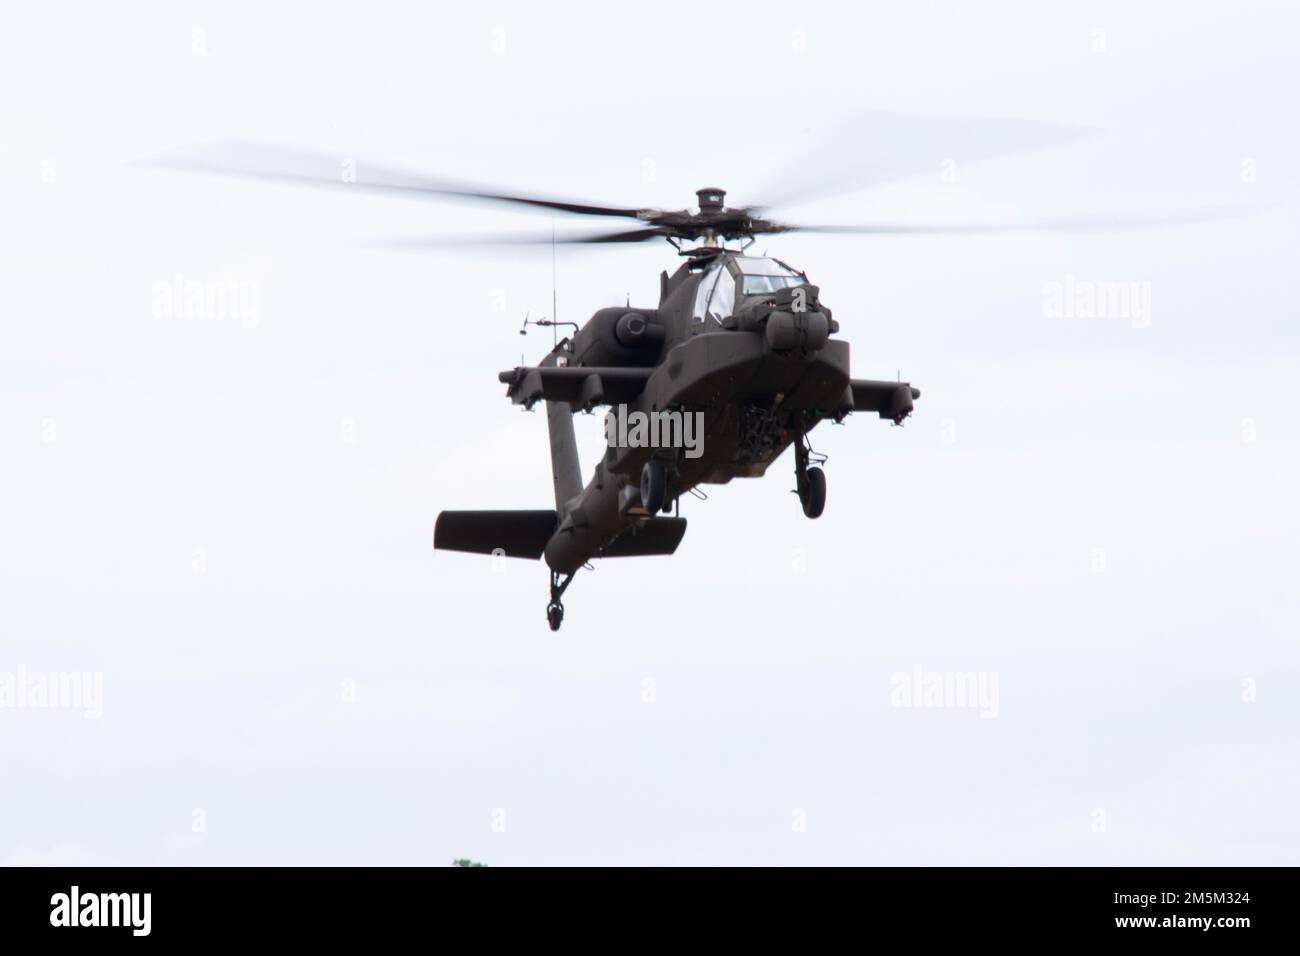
(740, 359)
(741, 346)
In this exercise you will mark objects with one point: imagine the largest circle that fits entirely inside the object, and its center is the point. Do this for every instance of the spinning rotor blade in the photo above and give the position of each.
(529, 239)
(881, 148)
(1048, 225)
(897, 147)
(273, 164)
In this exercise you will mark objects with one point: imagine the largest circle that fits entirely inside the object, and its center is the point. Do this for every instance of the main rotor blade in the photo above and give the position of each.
(523, 239)
(880, 148)
(275, 164)
(1046, 225)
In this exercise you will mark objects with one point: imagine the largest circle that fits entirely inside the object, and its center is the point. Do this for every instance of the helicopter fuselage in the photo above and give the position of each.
(752, 358)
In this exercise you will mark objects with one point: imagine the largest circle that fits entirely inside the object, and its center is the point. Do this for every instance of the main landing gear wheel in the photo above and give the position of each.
(654, 483)
(809, 480)
(555, 610)
(812, 492)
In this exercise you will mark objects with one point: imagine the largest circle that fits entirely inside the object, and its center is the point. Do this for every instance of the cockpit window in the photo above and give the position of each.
(758, 285)
(716, 295)
(760, 275)
(732, 276)
(763, 266)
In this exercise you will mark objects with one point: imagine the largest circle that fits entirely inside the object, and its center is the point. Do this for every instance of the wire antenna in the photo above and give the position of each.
(555, 315)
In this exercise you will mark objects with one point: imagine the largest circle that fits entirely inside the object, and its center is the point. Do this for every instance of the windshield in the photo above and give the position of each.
(761, 275)
(716, 295)
(757, 285)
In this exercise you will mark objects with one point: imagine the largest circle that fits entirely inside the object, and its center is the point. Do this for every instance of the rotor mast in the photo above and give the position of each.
(712, 201)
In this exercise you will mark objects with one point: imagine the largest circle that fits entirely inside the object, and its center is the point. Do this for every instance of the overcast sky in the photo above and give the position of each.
(225, 517)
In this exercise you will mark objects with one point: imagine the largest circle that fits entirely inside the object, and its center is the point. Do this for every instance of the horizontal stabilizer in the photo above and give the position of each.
(656, 536)
(516, 534)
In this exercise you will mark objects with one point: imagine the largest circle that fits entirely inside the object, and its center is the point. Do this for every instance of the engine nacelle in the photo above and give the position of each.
(620, 336)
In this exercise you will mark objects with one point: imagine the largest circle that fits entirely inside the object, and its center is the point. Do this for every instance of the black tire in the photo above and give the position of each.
(554, 616)
(813, 493)
(653, 485)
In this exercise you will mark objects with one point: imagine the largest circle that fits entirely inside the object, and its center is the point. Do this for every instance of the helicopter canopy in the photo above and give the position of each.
(760, 275)
(733, 276)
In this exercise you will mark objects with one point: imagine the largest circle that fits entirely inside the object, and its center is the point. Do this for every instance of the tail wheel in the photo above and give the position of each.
(812, 492)
(653, 485)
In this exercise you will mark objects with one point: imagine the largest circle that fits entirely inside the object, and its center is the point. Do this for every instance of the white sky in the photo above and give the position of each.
(1075, 507)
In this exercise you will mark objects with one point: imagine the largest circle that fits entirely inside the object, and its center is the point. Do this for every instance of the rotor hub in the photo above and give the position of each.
(711, 199)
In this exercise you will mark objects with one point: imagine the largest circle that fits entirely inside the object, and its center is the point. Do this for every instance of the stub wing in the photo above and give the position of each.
(891, 400)
(580, 386)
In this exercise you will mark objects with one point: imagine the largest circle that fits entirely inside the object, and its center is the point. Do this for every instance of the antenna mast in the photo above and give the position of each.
(555, 317)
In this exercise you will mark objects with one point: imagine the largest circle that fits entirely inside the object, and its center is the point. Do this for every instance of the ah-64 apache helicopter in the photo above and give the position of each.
(742, 343)
(745, 344)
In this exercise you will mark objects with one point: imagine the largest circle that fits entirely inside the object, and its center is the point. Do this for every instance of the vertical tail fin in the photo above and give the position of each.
(565, 469)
